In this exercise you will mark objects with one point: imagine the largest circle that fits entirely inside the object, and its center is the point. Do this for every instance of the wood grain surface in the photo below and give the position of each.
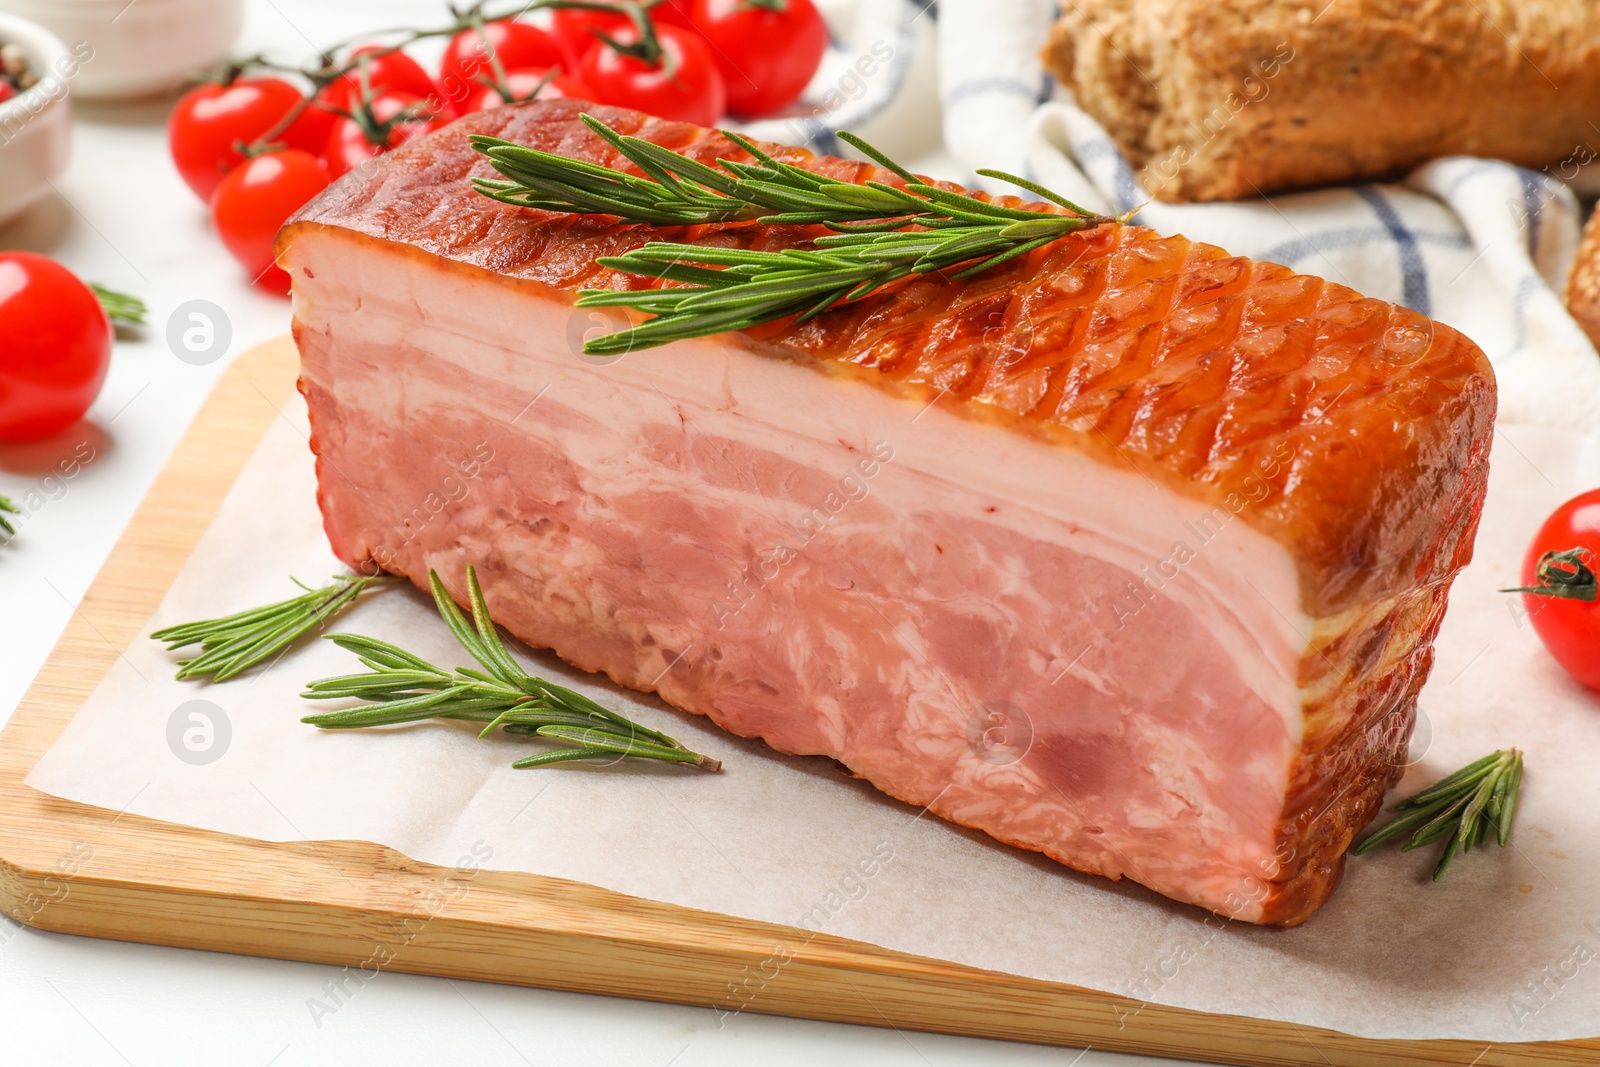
(83, 870)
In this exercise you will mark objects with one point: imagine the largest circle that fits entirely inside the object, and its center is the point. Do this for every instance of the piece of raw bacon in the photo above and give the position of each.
(1130, 552)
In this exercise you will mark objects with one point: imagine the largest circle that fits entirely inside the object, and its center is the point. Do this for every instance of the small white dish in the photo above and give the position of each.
(140, 48)
(36, 124)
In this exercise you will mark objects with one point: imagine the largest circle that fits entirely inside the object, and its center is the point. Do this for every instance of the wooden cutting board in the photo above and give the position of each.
(82, 870)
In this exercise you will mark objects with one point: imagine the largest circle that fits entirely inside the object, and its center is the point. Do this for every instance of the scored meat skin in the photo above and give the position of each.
(1351, 433)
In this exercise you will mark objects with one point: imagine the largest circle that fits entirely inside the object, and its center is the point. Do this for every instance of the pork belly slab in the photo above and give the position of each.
(1131, 553)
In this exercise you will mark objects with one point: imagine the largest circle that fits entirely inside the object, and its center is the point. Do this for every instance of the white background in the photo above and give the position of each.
(122, 217)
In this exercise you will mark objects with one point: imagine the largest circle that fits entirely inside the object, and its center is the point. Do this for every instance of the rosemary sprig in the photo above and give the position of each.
(8, 507)
(120, 307)
(713, 290)
(237, 642)
(401, 688)
(1464, 810)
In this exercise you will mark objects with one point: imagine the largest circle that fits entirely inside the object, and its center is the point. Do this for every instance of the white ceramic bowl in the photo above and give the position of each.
(35, 125)
(140, 48)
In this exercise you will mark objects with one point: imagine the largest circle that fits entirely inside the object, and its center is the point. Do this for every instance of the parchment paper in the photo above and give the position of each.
(1501, 951)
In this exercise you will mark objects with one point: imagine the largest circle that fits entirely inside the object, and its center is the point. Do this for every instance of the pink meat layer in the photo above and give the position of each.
(930, 645)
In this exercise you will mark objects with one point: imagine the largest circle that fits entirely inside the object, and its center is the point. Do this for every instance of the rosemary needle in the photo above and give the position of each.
(235, 643)
(717, 289)
(120, 307)
(1463, 809)
(7, 507)
(402, 688)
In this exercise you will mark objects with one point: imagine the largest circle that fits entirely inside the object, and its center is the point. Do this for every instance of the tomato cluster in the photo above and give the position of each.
(748, 58)
(256, 148)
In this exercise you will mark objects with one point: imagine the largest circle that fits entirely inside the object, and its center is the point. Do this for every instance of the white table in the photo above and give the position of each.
(123, 218)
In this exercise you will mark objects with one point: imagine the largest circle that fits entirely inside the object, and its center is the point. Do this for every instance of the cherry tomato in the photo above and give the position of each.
(576, 27)
(522, 85)
(1569, 626)
(517, 46)
(674, 13)
(386, 71)
(767, 50)
(6, 92)
(685, 85)
(209, 120)
(349, 145)
(252, 203)
(309, 132)
(57, 347)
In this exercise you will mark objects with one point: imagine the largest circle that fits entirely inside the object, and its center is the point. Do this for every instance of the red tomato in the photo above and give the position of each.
(767, 50)
(209, 120)
(1568, 626)
(57, 347)
(674, 13)
(386, 71)
(309, 132)
(522, 84)
(517, 46)
(252, 203)
(575, 26)
(6, 92)
(685, 86)
(349, 145)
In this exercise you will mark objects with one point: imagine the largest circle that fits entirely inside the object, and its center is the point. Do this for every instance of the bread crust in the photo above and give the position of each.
(1225, 99)
(1583, 284)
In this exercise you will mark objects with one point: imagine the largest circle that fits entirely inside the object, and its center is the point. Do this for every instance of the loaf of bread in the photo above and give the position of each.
(1583, 285)
(1224, 99)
